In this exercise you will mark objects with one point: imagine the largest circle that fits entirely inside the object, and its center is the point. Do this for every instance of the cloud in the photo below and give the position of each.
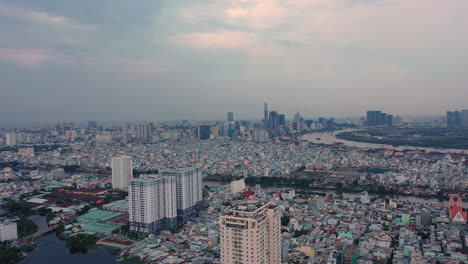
(379, 69)
(218, 39)
(25, 57)
(236, 12)
(327, 72)
(42, 18)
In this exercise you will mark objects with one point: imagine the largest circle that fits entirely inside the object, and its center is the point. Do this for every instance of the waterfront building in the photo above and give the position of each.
(8, 230)
(237, 186)
(251, 234)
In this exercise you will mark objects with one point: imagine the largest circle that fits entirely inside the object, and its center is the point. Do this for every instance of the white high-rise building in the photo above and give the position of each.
(152, 204)
(8, 231)
(121, 172)
(251, 234)
(11, 139)
(189, 191)
(237, 186)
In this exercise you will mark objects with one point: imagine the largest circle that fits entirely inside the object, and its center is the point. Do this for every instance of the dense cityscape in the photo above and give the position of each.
(234, 132)
(268, 191)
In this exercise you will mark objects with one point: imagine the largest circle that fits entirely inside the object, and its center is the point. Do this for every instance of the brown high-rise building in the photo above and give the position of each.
(251, 234)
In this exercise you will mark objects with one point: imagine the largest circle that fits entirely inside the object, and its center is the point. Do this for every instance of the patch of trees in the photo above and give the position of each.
(81, 243)
(10, 255)
(26, 227)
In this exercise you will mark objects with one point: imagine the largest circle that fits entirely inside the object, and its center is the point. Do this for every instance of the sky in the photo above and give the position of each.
(198, 59)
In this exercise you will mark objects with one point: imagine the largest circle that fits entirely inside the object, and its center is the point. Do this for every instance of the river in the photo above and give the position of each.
(52, 250)
(329, 138)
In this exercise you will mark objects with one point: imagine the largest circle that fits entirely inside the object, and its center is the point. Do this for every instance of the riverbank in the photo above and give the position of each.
(329, 138)
(430, 138)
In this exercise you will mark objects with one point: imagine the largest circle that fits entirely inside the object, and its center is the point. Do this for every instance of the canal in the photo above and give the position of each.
(52, 250)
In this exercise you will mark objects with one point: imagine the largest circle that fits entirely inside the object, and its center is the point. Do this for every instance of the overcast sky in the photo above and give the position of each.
(198, 59)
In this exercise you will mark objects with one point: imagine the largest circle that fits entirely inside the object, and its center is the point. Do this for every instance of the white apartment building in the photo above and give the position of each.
(237, 186)
(189, 191)
(121, 172)
(251, 234)
(8, 231)
(152, 204)
(11, 139)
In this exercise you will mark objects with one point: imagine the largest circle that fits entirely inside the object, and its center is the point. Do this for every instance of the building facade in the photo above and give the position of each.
(189, 193)
(203, 132)
(11, 139)
(261, 135)
(237, 186)
(251, 234)
(8, 230)
(230, 116)
(145, 133)
(121, 172)
(152, 206)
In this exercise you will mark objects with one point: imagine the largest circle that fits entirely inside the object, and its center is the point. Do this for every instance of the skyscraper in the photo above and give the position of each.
(230, 116)
(152, 204)
(251, 234)
(450, 119)
(281, 119)
(273, 123)
(383, 119)
(373, 118)
(464, 117)
(265, 116)
(189, 191)
(144, 132)
(203, 132)
(389, 120)
(122, 171)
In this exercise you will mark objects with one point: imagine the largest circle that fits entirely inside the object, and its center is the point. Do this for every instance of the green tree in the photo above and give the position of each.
(285, 220)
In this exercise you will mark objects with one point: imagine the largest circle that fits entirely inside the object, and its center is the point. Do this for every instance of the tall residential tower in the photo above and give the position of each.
(152, 204)
(251, 234)
(121, 172)
(189, 191)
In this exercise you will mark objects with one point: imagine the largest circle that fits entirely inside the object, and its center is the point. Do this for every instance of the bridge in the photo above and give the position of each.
(41, 232)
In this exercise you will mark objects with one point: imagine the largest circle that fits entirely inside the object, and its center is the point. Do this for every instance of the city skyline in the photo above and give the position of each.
(198, 60)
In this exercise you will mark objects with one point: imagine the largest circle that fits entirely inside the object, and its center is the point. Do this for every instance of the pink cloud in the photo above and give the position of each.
(218, 39)
(236, 12)
(25, 57)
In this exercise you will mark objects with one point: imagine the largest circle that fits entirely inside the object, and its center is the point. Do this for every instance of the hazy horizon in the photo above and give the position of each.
(197, 60)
